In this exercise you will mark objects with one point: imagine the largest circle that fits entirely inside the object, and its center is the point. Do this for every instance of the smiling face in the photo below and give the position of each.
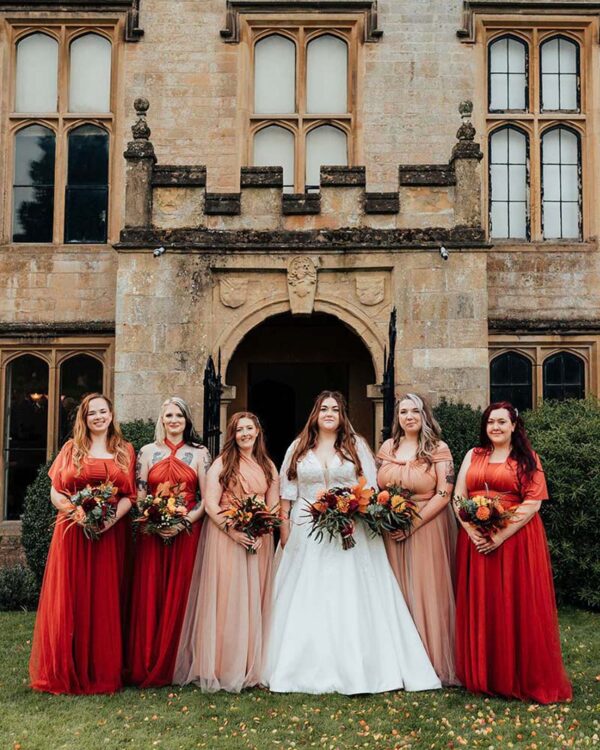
(98, 417)
(409, 416)
(499, 428)
(246, 433)
(329, 415)
(173, 421)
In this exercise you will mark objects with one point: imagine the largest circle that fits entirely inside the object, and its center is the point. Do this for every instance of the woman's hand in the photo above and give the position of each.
(110, 522)
(242, 539)
(474, 535)
(400, 535)
(284, 533)
(257, 544)
(171, 531)
(489, 543)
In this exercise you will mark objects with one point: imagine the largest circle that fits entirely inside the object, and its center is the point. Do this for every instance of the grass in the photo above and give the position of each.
(184, 718)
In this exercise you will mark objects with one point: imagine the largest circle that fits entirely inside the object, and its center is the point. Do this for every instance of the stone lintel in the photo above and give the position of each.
(166, 175)
(258, 177)
(382, 203)
(334, 176)
(54, 329)
(426, 175)
(549, 326)
(300, 203)
(222, 204)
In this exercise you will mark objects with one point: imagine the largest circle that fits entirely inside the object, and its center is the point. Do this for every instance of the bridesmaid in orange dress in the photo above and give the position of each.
(423, 560)
(507, 637)
(225, 627)
(77, 642)
(162, 573)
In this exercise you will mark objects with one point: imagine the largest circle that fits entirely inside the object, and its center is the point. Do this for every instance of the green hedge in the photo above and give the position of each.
(18, 589)
(460, 427)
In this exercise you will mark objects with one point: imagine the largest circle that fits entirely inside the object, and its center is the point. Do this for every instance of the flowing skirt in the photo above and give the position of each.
(507, 637)
(226, 622)
(77, 642)
(339, 622)
(424, 568)
(161, 582)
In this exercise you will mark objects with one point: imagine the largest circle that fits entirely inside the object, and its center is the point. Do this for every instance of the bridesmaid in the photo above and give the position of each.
(162, 573)
(77, 642)
(221, 645)
(507, 638)
(423, 560)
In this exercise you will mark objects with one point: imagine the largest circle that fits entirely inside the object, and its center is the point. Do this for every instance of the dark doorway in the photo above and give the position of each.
(284, 363)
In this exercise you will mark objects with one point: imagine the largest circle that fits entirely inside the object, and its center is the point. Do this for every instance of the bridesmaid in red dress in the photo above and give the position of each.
(77, 642)
(223, 636)
(162, 573)
(507, 637)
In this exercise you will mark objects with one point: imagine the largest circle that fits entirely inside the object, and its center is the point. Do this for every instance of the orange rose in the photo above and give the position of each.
(342, 504)
(482, 513)
(383, 498)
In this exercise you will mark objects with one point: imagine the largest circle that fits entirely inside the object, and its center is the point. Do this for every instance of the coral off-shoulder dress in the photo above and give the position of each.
(77, 641)
(507, 637)
(161, 582)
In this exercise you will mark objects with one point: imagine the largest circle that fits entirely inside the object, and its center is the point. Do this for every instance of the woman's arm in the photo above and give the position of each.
(201, 465)
(212, 499)
(60, 501)
(444, 472)
(460, 490)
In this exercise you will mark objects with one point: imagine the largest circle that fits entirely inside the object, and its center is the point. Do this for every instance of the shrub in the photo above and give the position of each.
(139, 432)
(460, 427)
(567, 437)
(18, 589)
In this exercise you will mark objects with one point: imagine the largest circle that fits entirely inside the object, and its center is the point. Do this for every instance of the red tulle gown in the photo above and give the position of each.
(77, 642)
(161, 582)
(507, 637)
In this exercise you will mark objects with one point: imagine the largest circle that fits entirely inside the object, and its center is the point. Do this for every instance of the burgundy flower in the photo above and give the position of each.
(89, 504)
(463, 515)
(153, 513)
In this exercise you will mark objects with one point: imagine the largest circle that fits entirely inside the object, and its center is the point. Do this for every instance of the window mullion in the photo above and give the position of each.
(301, 110)
(60, 169)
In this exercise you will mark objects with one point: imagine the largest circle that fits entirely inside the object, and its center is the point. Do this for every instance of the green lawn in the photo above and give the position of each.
(185, 718)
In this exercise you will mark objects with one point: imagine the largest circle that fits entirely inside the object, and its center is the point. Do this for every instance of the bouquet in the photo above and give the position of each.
(334, 511)
(92, 508)
(391, 510)
(251, 516)
(163, 510)
(484, 513)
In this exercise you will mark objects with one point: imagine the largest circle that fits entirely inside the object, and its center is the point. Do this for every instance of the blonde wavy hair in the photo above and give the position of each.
(430, 433)
(190, 435)
(115, 442)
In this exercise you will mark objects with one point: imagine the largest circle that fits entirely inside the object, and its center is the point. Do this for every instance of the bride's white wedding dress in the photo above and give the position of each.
(339, 621)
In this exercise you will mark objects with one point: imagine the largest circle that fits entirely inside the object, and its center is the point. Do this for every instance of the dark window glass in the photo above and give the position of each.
(511, 380)
(564, 377)
(33, 187)
(26, 428)
(79, 376)
(87, 185)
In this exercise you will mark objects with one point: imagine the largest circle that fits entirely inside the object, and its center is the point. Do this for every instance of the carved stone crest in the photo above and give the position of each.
(302, 284)
(370, 290)
(233, 292)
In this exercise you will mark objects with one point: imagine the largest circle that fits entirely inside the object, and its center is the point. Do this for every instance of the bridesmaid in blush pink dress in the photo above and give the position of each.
(416, 459)
(226, 621)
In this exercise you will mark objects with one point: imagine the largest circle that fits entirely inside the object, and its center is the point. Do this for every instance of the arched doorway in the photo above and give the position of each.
(283, 363)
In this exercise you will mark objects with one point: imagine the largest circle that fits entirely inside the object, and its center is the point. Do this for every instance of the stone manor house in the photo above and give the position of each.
(259, 184)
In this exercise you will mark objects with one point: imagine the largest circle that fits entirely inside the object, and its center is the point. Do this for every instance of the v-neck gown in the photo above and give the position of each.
(339, 620)
(161, 582)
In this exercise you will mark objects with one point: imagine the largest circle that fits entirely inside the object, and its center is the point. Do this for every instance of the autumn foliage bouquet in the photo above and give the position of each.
(391, 509)
(251, 516)
(334, 511)
(163, 510)
(484, 513)
(93, 506)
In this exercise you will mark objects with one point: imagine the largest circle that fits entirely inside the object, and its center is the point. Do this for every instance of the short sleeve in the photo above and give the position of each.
(367, 460)
(129, 486)
(288, 488)
(534, 487)
(58, 470)
(442, 453)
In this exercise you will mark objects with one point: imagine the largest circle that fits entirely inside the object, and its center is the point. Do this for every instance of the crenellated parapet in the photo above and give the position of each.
(432, 199)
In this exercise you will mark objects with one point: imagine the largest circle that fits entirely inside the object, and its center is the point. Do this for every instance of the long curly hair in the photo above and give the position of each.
(520, 450)
(430, 433)
(115, 442)
(230, 455)
(190, 436)
(345, 441)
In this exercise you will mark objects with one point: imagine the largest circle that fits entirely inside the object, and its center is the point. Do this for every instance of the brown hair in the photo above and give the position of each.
(230, 455)
(430, 433)
(345, 441)
(115, 442)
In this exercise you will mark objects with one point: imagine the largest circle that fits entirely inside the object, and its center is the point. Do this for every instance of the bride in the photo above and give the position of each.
(339, 621)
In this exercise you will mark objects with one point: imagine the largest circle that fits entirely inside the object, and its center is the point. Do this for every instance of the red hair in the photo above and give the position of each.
(230, 455)
(521, 450)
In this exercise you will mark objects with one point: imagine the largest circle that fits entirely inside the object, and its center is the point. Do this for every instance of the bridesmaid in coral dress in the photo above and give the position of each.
(162, 573)
(77, 642)
(507, 637)
(416, 459)
(225, 627)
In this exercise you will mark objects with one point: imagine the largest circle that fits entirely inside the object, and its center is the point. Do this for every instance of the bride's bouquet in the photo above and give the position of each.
(251, 516)
(163, 510)
(484, 513)
(392, 509)
(334, 511)
(93, 506)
